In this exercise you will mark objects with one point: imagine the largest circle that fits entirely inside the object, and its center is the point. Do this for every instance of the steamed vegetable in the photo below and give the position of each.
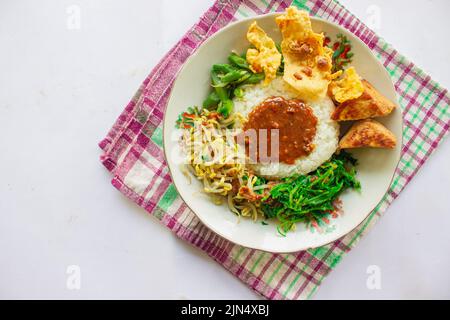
(211, 101)
(227, 80)
(238, 61)
(254, 78)
(300, 197)
(225, 107)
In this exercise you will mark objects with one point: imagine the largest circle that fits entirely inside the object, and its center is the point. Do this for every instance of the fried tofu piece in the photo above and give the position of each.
(348, 88)
(370, 104)
(307, 63)
(266, 56)
(368, 133)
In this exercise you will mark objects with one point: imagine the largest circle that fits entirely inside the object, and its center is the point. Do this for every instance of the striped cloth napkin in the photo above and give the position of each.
(133, 151)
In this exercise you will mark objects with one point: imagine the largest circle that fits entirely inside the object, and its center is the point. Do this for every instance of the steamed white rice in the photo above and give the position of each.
(327, 133)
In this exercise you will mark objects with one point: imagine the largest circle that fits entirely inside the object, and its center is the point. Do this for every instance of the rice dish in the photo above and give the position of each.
(326, 139)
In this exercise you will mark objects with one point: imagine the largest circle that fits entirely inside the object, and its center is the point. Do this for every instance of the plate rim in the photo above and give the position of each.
(195, 53)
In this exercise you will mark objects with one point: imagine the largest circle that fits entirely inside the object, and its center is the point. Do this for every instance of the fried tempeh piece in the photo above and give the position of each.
(368, 133)
(369, 105)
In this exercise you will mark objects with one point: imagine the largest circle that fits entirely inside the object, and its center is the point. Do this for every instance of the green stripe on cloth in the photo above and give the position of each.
(157, 137)
(302, 271)
(276, 270)
(242, 13)
(168, 198)
(253, 268)
(301, 4)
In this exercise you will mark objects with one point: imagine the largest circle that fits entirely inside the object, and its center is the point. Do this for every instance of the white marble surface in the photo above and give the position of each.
(61, 90)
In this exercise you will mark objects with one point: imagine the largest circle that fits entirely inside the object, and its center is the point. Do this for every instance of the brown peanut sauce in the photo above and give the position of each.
(295, 121)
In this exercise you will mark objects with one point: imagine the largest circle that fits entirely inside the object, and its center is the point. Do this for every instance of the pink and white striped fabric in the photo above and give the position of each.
(133, 151)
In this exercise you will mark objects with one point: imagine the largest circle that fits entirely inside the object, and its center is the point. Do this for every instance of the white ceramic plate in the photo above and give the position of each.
(375, 170)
